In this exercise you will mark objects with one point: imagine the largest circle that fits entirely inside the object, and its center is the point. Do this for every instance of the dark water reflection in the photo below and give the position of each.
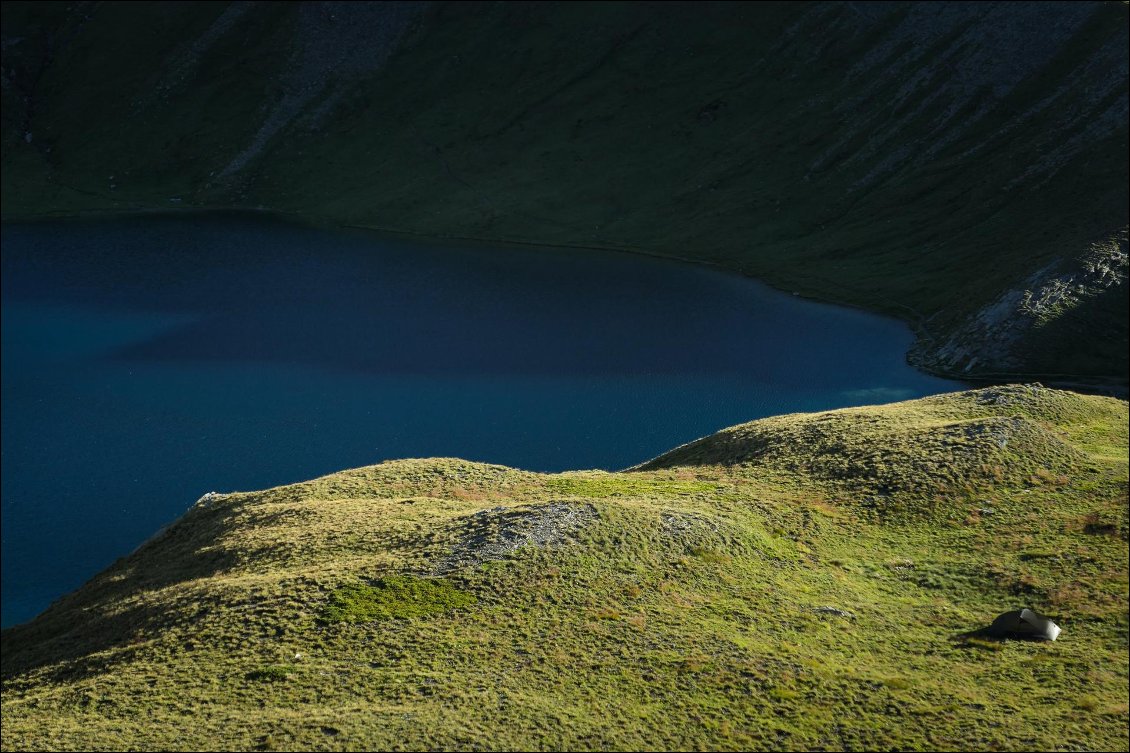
(146, 361)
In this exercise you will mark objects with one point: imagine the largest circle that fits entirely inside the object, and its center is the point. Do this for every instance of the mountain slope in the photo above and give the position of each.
(962, 166)
(806, 581)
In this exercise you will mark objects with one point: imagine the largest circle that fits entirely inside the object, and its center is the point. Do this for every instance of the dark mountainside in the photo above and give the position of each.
(962, 166)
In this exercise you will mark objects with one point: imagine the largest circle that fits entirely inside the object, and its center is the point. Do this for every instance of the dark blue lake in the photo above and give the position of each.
(147, 361)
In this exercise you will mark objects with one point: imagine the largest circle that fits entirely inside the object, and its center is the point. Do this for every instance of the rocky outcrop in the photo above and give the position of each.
(497, 533)
(1000, 336)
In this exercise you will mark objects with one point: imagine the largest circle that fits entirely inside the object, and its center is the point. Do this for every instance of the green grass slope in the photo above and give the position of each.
(962, 166)
(801, 582)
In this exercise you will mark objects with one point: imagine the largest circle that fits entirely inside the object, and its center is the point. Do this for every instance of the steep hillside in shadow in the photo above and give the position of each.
(962, 166)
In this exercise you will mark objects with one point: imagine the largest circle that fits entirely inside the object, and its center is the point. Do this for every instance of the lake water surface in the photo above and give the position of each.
(147, 361)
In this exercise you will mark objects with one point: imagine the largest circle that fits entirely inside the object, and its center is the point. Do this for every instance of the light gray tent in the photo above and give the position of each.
(1024, 623)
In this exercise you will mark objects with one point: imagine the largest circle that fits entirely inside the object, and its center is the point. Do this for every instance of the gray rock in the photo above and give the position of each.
(497, 533)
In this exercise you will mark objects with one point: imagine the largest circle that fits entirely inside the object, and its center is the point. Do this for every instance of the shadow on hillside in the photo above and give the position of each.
(981, 638)
(985, 639)
(76, 628)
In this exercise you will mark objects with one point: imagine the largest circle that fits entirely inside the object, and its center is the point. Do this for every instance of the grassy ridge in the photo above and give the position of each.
(915, 159)
(800, 582)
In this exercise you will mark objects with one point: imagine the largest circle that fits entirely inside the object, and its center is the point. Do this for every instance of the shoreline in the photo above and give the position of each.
(1099, 385)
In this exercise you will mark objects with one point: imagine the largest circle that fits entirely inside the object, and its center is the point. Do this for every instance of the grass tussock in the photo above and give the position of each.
(394, 596)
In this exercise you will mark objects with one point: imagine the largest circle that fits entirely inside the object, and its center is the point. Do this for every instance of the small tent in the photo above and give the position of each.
(1024, 623)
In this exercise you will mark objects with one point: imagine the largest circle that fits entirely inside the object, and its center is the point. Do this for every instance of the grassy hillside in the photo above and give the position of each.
(962, 166)
(800, 582)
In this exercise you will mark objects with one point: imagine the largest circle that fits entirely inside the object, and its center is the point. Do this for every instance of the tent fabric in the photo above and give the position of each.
(1024, 623)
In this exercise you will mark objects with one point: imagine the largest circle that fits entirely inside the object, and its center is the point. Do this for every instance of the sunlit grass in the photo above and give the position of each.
(782, 601)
